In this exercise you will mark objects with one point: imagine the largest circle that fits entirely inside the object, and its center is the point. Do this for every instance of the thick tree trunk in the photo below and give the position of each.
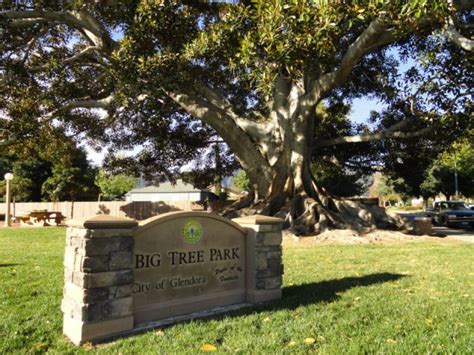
(293, 194)
(308, 209)
(276, 154)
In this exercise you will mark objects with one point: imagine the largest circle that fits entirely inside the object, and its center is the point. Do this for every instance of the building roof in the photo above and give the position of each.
(167, 187)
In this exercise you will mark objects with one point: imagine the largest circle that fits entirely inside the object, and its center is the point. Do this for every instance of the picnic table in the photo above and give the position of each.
(42, 218)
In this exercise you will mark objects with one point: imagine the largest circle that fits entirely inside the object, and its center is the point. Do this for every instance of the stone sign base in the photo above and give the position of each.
(194, 261)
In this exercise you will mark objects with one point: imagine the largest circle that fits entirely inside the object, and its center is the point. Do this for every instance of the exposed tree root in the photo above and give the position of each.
(305, 215)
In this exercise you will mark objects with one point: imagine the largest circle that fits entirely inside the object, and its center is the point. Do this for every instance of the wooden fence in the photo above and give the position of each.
(136, 210)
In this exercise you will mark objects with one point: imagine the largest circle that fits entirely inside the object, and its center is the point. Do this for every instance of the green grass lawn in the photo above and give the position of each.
(388, 298)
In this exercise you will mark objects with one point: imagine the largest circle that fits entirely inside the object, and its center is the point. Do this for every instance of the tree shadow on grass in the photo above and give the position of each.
(312, 293)
(8, 265)
(328, 291)
(293, 297)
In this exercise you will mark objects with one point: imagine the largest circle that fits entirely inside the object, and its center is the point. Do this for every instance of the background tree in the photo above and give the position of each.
(385, 189)
(436, 89)
(113, 187)
(47, 170)
(30, 174)
(241, 181)
(72, 179)
(210, 166)
(253, 74)
(440, 177)
(343, 172)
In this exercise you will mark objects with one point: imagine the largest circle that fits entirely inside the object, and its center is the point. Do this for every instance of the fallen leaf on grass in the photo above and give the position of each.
(428, 321)
(88, 346)
(309, 341)
(160, 333)
(41, 346)
(208, 348)
(292, 343)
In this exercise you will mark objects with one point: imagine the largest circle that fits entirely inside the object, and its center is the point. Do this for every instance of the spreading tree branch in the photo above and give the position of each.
(104, 103)
(82, 20)
(375, 35)
(371, 137)
(454, 36)
(220, 103)
(227, 128)
(73, 60)
(33, 41)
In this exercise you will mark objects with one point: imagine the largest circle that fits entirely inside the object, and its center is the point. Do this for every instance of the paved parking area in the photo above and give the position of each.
(466, 235)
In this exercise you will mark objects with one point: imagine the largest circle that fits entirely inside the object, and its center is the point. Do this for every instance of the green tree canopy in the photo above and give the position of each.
(241, 181)
(457, 161)
(64, 175)
(114, 187)
(169, 76)
(71, 181)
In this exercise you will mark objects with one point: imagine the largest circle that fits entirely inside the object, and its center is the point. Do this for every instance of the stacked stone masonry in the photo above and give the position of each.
(99, 275)
(269, 267)
(265, 268)
(98, 265)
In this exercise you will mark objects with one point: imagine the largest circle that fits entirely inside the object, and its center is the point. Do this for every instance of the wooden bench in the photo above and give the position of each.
(41, 219)
(58, 218)
(24, 220)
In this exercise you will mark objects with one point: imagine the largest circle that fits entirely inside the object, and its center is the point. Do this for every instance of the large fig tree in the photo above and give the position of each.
(172, 74)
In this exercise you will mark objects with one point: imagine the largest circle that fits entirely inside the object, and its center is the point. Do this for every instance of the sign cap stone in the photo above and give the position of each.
(258, 219)
(103, 221)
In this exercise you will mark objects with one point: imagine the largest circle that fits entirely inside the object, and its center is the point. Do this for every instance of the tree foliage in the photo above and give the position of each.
(252, 74)
(71, 181)
(456, 163)
(385, 189)
(37, 177)
(241, 181)
(113, 187)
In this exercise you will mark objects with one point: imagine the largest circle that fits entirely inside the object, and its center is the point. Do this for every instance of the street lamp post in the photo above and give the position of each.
(8, 177)
(456, 184)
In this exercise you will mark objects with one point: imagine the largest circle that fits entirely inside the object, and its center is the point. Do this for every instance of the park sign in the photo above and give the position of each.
(122, 277)
(185, 263)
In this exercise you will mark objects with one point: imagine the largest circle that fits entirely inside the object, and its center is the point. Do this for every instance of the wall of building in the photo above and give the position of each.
(165, 196)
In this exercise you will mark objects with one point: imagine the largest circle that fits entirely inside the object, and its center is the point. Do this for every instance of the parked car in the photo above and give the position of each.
(451, 214)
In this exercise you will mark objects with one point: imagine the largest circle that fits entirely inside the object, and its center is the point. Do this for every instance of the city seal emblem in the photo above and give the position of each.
(192, 231)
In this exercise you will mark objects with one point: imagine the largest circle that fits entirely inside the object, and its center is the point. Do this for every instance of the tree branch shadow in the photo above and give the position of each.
(312, 293)
(293, 297)
(8, 265)
(328, 291)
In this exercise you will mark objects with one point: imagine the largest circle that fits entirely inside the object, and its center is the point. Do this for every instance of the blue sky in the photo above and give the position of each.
(361, 109)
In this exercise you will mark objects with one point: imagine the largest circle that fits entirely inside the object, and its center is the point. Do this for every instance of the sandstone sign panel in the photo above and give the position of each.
(122, 277)
(187, 262)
